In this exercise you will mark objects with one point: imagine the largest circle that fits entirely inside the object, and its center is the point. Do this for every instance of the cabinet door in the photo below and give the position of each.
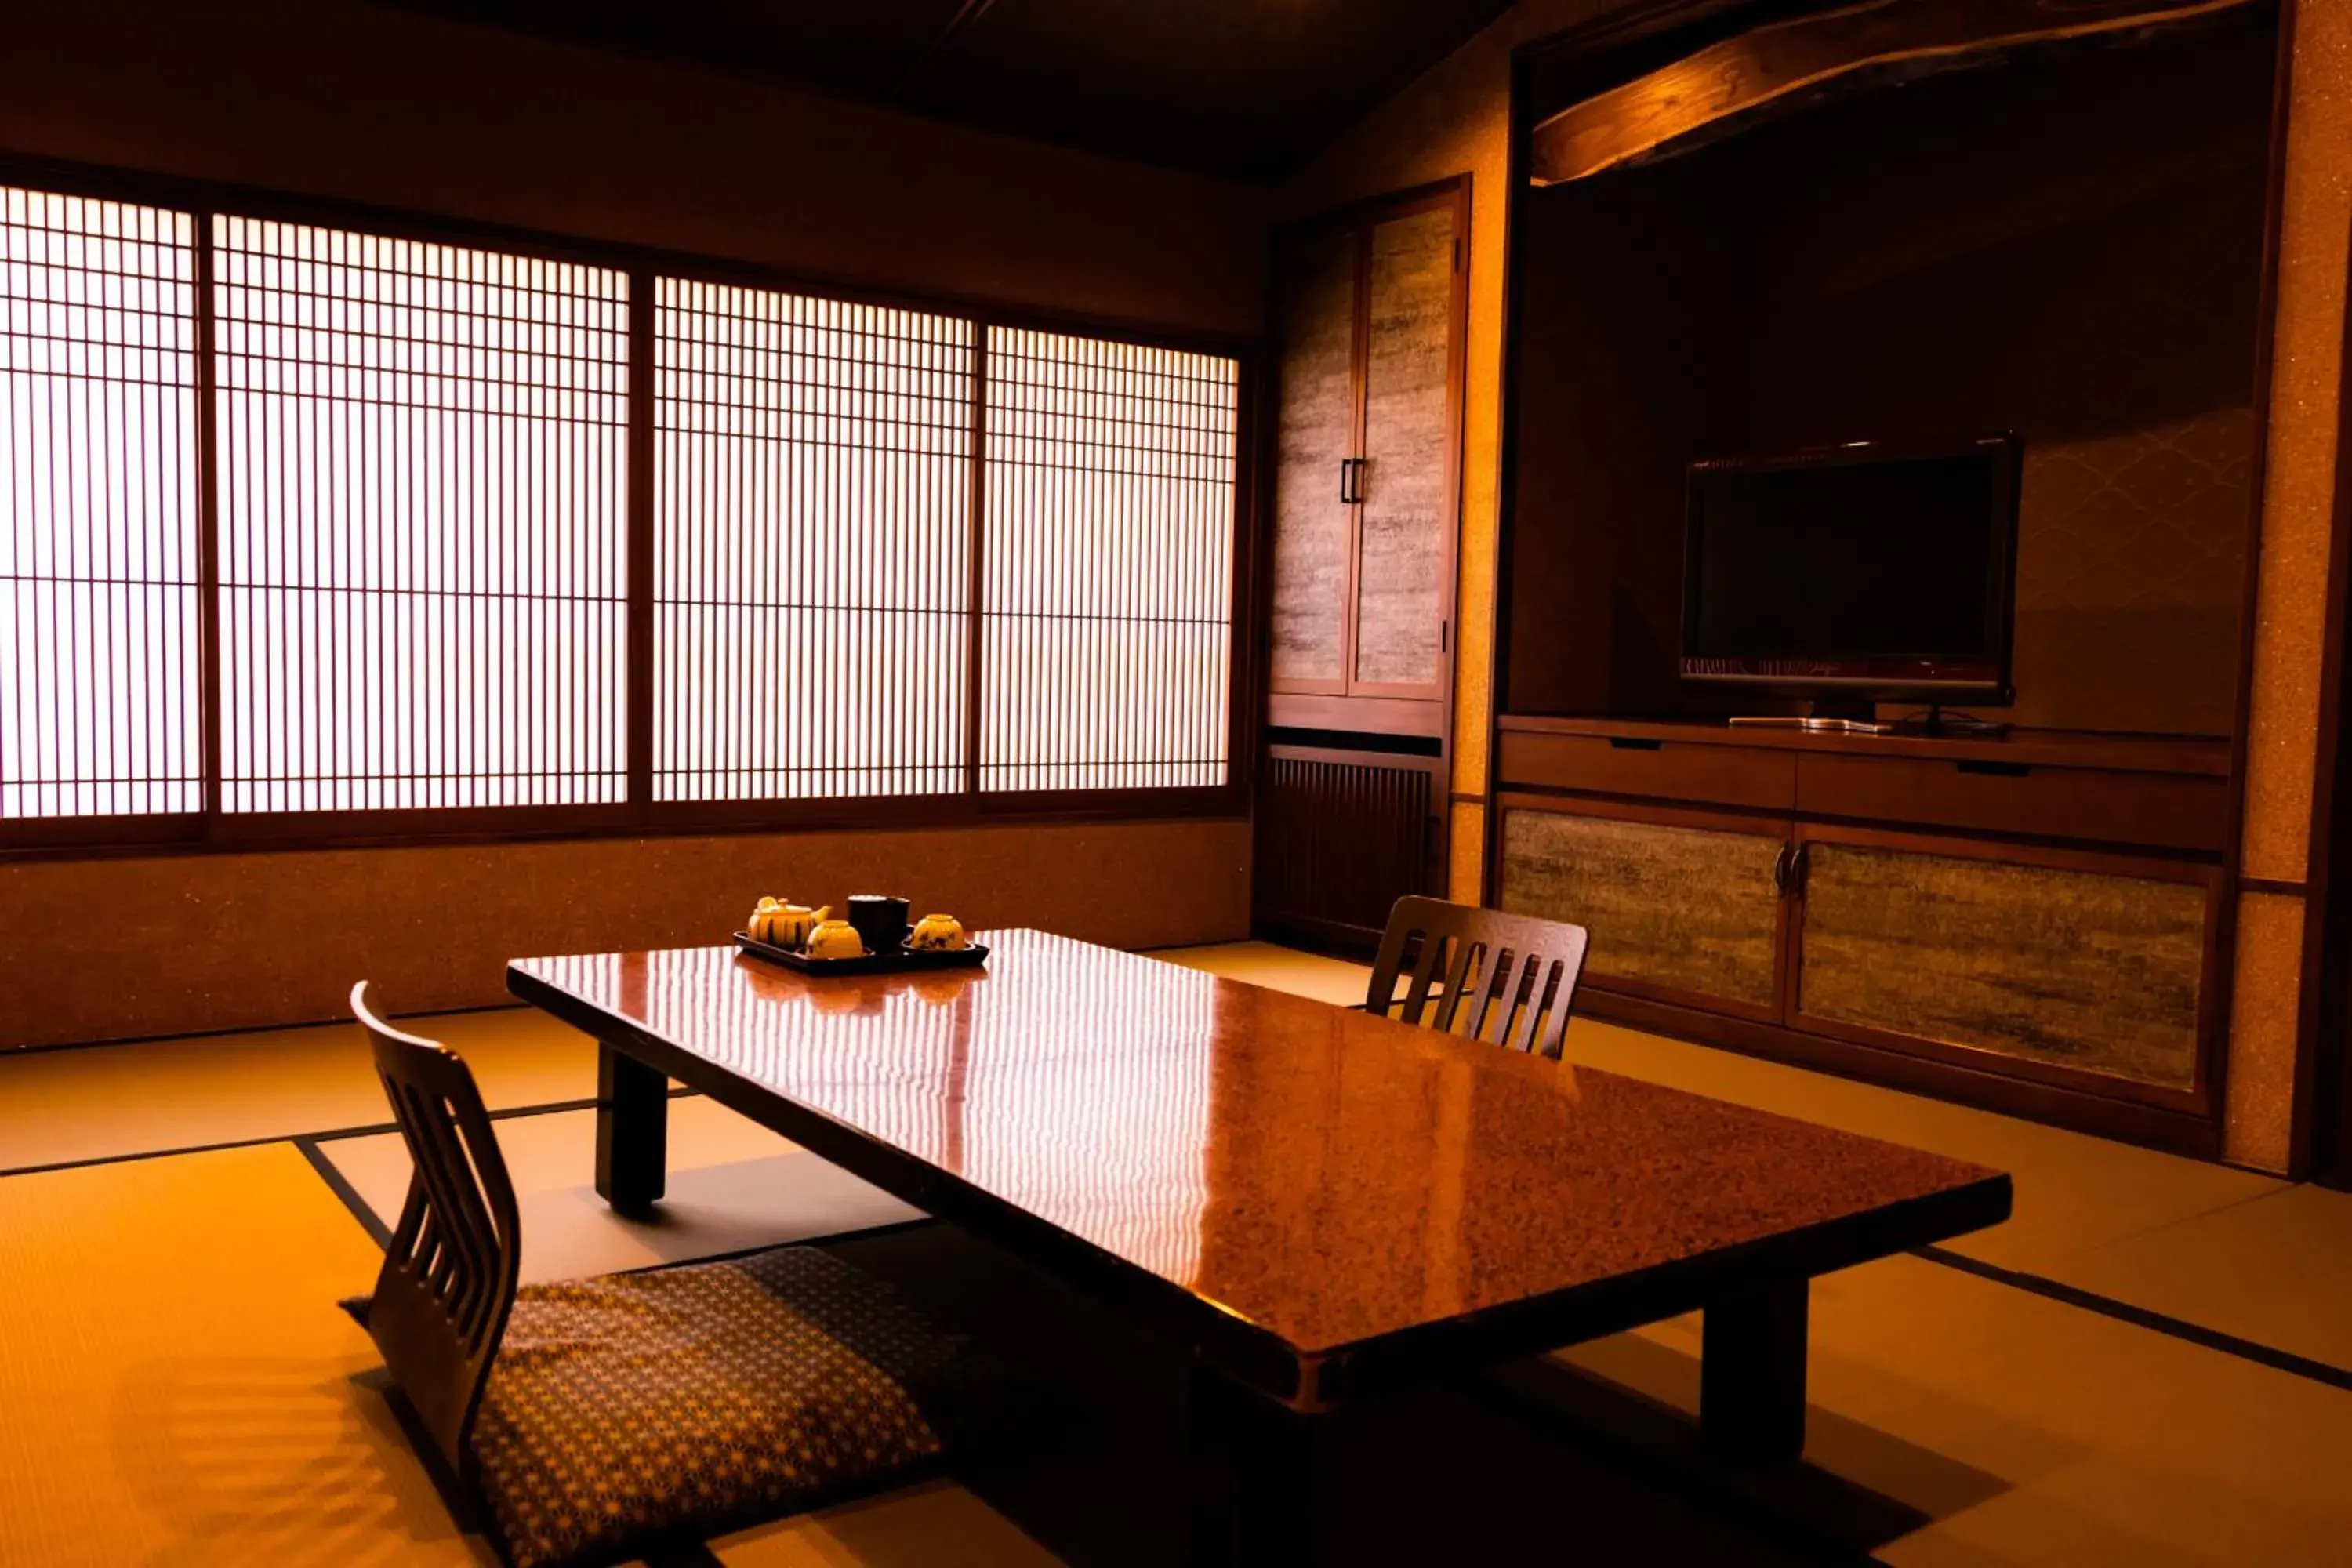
(1313, 528)
(2083, 965)
(1404, 557)
(1678, 910)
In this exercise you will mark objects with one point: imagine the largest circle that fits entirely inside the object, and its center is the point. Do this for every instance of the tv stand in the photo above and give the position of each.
(2026, 922)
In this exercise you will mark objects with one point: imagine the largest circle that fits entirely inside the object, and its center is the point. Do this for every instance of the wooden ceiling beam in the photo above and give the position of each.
(1786, 65)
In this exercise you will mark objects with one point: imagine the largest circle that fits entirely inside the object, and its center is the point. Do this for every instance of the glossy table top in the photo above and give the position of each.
(1328, 1176)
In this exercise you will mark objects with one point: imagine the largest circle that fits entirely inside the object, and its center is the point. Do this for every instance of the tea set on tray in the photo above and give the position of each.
(874, 939)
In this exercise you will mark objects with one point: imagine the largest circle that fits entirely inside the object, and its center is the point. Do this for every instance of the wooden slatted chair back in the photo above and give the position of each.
(1480, 974)
(449, 1274)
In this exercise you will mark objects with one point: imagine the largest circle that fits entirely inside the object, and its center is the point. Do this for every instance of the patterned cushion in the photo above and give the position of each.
(636, 1406)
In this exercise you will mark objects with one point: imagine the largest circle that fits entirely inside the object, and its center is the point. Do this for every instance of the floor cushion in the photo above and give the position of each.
(680, 1401)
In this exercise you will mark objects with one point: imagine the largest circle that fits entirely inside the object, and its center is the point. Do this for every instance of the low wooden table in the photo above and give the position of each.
(1318, 1203)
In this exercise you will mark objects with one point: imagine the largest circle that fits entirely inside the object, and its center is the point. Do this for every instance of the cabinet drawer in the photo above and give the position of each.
(2169, 811)
(1669, 770)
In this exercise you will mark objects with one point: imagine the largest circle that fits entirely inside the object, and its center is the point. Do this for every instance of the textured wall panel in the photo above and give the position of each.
(1406, 436)
(2306, 368)
(2094, 973)
(1690, 908)
(1316, 388)
(1466, 876)
(2259, 1114)
(174, 944)
(2131, 571)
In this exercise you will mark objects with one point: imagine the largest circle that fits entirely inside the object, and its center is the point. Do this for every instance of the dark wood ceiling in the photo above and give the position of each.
(1241, 89)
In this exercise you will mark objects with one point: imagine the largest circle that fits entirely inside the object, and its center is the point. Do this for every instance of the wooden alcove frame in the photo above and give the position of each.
(1629, 45)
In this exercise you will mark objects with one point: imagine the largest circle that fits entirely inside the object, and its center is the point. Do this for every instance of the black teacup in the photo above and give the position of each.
(880, 920)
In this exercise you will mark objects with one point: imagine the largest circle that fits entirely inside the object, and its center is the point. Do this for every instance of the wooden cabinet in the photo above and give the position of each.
(2087, 971)
(1681, 906)
(2035, 923)
(1368, 318)
(1369, 308)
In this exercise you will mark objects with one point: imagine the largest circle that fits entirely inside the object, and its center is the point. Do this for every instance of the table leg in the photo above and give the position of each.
(632, 1130)
(1751, 1398)
(1254, 1476)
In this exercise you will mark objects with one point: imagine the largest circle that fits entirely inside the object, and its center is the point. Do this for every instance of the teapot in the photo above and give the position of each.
(780, 924)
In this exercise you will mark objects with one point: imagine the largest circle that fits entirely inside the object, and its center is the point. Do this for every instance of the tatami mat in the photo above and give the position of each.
(110, 1101)
(177, 1381)
(733, 1185)
(1331, 980)
(2276, 1269)
(180, 1389)
(926, 1527)
(2029, 1433)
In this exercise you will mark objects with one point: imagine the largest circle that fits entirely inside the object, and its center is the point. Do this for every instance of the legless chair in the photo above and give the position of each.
(1504, 978)
(600, 1418)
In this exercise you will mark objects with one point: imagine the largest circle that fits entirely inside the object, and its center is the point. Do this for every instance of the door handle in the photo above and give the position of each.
(1351, 481)
(1780, 869)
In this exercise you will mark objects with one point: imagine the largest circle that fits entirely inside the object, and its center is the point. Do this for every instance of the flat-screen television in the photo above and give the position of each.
(1855, 573)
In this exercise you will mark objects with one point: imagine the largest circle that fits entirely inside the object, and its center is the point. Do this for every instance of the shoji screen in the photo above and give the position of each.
(813, 481)
(99, 632)
(1107, 629)
(422, 523)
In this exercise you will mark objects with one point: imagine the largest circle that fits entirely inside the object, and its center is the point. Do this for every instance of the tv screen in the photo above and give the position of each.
(1858, 572)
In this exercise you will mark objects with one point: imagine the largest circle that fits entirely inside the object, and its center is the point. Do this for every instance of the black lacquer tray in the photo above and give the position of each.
(906, 959)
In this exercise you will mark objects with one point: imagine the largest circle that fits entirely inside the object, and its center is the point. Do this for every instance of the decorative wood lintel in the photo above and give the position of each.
(1786, 65)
